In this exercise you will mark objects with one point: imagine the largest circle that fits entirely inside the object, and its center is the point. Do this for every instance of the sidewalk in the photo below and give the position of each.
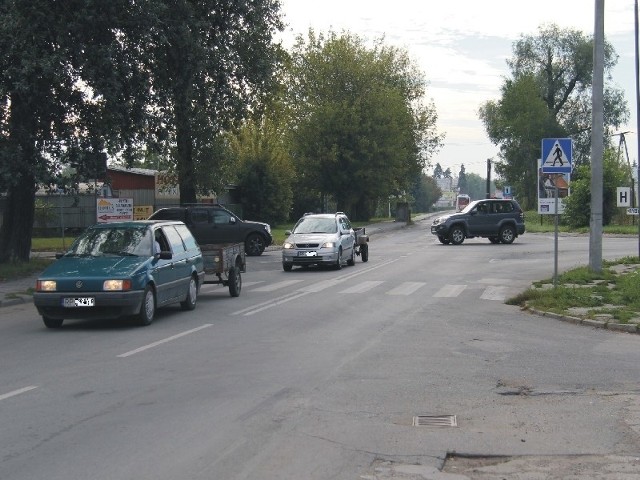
(16, 291)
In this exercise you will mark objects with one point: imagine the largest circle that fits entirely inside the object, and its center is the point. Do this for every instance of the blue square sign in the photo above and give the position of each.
(557, 155)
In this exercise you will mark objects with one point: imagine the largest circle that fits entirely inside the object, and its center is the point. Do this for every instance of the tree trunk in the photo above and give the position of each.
(17, 224)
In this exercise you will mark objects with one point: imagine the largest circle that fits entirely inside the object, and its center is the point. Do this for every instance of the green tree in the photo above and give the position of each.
(70, 90)
(547, 96)
(577, 211)
(210, 63)
(477, 186)
(462, 180)
(363, 130)
(265, 170)
(437, 171)
(425, 193)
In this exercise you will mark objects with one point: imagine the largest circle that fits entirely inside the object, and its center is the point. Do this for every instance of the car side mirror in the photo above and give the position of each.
(166, 255)
(287, 232)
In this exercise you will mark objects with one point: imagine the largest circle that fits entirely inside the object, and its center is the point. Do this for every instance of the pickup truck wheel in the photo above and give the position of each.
(235, 281)
(457, 235)
(364, 252)
(507, 234)
(52, 322)
(444, 240)
(189, 302)
(148, 308)
(254, 245)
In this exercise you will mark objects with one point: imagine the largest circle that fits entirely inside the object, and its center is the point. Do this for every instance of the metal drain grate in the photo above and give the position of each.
(435, 421)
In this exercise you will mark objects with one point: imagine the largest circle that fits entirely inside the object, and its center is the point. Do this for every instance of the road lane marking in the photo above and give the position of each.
(160, 342)
(495, 292)
(362, 287)
(450, 291)
(301, 292)
(276, 286)
(17, 392)
(253, 309)
(406, 288)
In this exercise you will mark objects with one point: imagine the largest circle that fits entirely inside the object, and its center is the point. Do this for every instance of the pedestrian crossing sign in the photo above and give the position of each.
(557, 155)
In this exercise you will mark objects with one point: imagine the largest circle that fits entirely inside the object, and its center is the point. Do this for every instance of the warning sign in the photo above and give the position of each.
(556, 155)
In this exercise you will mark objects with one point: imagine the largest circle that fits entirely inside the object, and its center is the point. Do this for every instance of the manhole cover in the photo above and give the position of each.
(435, 421)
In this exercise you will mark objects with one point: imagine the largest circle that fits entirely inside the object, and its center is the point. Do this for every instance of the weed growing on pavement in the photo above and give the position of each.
(587, 294)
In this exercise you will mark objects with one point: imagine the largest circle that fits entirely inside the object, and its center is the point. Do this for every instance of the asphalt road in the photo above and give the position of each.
(407, 366)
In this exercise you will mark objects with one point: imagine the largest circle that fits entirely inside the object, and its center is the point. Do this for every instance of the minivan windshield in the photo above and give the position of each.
(119, 241)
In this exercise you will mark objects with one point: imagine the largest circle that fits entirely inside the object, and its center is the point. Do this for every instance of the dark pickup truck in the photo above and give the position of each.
(214, 224)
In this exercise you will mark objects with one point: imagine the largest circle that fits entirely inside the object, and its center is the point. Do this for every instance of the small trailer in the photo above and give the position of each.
(362, 243)
(224, 264)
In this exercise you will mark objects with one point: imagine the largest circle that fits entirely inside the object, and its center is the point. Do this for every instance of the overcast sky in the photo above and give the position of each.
(462, 47)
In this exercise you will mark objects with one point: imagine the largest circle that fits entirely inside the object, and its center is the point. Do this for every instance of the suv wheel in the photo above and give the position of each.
(494, 239)
(457, 235)
(444, 240)
(254, 245)
(507, 234)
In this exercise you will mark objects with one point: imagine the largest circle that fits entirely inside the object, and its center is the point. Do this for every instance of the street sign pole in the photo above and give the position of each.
(555, 246)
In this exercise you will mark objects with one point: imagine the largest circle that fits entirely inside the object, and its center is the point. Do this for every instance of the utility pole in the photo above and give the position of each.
(597, 141)
(637, 112)
(623, 141)
(488, 178)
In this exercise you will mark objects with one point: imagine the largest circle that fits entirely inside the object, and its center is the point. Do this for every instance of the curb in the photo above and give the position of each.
(588, 322)
(8, 302)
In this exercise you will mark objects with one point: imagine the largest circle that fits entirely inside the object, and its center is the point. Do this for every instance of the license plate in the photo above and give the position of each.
(307, 254)
(78, 302)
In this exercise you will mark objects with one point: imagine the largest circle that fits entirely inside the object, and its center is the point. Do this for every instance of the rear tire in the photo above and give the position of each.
(235, 281)
(254, 245)
(52, 322)
(364, 253)
(507, 234)
(192, 295)
(148, 307)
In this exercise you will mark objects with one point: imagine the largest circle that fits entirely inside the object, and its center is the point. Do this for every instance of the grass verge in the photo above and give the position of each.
(610, 295)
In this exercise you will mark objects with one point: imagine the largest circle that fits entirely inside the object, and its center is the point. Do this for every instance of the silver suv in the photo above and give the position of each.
(320, 239)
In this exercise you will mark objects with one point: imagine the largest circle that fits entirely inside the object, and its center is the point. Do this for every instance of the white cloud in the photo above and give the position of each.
(462, 48)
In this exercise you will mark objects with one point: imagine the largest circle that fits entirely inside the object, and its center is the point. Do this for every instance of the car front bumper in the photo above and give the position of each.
(107, 305)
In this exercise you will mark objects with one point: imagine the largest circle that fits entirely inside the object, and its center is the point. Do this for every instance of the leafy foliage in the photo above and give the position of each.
(548, 96)
(578, 204)
(363, 131)
(265, 171)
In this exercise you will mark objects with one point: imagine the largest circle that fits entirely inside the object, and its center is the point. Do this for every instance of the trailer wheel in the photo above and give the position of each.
(364, 252)
(235, 281)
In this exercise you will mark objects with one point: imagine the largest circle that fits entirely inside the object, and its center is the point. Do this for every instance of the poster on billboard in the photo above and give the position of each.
(548, 185)
(114, 209)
